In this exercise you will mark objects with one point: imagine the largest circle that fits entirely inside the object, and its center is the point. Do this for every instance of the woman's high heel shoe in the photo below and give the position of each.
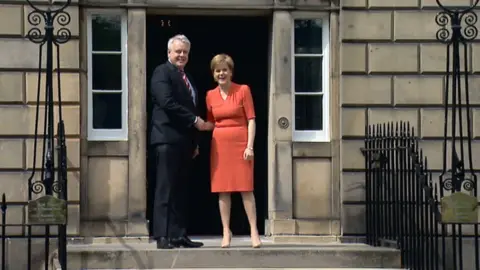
(226, 245)
(256, 245)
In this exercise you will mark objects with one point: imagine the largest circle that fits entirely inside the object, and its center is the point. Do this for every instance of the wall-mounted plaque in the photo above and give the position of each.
(47, 210)
(459, 208)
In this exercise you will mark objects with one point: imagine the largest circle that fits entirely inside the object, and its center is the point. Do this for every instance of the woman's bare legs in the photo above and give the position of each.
(251, 210)
(225, 203)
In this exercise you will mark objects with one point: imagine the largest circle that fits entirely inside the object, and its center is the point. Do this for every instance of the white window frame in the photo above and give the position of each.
(108, 134)
(313, 135)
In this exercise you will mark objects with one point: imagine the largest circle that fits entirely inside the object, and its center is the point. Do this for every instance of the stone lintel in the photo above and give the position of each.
(215, 4)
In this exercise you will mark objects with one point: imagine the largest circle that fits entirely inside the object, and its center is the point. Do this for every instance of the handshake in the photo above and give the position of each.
(203, 126)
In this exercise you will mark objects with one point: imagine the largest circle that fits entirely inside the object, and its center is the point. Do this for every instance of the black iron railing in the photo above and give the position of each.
(3, 208)
(47, 193)
(403, 204)
(403, 201)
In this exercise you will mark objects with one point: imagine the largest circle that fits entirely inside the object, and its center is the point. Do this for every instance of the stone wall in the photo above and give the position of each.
(18, 95)
(392, 70)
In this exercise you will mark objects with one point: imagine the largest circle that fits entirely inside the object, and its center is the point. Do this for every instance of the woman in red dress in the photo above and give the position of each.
(230, 107)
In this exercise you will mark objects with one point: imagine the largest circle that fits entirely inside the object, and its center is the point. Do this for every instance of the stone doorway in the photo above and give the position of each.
(246, 39)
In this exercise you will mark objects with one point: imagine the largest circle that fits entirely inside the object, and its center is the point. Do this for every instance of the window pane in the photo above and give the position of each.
(308, 74)
(107, 72)
(107, 110)
(308, 36)
(308, 112)
(106, 32)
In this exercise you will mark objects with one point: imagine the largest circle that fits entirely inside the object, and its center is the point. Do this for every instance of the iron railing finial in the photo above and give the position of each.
(53, 15)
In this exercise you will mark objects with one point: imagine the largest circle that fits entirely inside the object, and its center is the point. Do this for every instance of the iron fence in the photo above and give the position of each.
(403, 203)
(46, 211)
(46, 204)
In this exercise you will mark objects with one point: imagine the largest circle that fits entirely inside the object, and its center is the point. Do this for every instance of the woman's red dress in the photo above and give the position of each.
(229, 171)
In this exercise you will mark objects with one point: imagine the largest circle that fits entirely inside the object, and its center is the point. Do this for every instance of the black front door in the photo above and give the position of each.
(246, 40)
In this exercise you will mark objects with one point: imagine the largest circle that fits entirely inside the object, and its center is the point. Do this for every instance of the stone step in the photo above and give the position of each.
(284, 239)
(265, 269)
(141, 255)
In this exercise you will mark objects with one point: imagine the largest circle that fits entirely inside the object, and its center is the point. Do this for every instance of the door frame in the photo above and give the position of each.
(281, 149)
(209, 12)
(235, 13)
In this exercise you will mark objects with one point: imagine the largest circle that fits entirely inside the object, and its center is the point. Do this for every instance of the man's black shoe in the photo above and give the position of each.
(164, 243)
(185, 242)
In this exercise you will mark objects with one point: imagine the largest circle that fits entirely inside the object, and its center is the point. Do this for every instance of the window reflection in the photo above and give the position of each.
(308, 112)
(106, 33)
(107, 110)
(107, 71)
(308, 66)
(308, 36)
(308, 74)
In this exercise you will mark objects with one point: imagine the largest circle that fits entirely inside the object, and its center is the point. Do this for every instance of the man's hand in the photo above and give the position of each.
(209, 126)
(202, 125)
(196, 152)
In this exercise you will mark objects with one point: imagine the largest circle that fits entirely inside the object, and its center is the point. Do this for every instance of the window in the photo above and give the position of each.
(107, 76)
(310, 80)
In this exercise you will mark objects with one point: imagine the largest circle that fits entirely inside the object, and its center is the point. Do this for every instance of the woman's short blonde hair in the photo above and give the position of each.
(221, 59)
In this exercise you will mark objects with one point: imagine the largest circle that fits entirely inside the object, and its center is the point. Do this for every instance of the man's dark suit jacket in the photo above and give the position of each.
(174, 112)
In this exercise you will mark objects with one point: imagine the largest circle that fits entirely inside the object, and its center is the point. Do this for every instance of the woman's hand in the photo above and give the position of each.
(248, 154)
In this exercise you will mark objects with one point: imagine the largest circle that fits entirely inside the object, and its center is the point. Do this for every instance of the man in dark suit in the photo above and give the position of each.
(173, 135)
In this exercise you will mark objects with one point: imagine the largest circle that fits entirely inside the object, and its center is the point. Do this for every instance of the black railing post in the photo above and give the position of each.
(3, 208)
(62, 191)
(401, 204)
(48, 184)
(381, 184)
(457, 30)
(368, 186)
(410, 214)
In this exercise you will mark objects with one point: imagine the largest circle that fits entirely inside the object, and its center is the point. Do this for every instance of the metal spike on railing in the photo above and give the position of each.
(4, 203)
(3, 207)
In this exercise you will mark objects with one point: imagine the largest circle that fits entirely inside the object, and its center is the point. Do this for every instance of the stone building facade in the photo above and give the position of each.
(380, 63)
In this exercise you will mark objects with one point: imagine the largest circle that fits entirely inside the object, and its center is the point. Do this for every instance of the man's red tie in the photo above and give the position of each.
(185, 79)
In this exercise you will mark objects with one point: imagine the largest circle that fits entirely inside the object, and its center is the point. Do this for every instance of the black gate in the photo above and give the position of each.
(47, 186)
(434, 222)
(404, 201)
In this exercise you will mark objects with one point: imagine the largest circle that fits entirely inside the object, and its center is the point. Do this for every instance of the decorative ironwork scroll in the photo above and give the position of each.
(51, 186)
(457, 29)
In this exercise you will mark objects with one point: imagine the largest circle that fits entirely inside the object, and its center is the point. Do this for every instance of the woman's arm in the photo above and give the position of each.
(251, 133)
(250, 114)
(210, 117)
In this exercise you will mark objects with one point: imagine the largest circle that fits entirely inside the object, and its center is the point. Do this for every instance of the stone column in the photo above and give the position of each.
(137, 121)
(280, 203)
(335, 101)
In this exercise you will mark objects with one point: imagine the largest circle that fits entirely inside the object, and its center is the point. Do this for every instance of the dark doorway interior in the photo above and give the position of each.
(246, 39)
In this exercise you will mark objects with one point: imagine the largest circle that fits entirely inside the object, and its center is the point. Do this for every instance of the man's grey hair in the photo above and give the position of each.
(181, 38)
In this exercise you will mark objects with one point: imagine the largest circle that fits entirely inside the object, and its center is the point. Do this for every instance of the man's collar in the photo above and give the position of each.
(179, 69)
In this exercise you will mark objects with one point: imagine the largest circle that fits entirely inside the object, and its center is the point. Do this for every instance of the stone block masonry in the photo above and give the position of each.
(392, 70)
(18, 97)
